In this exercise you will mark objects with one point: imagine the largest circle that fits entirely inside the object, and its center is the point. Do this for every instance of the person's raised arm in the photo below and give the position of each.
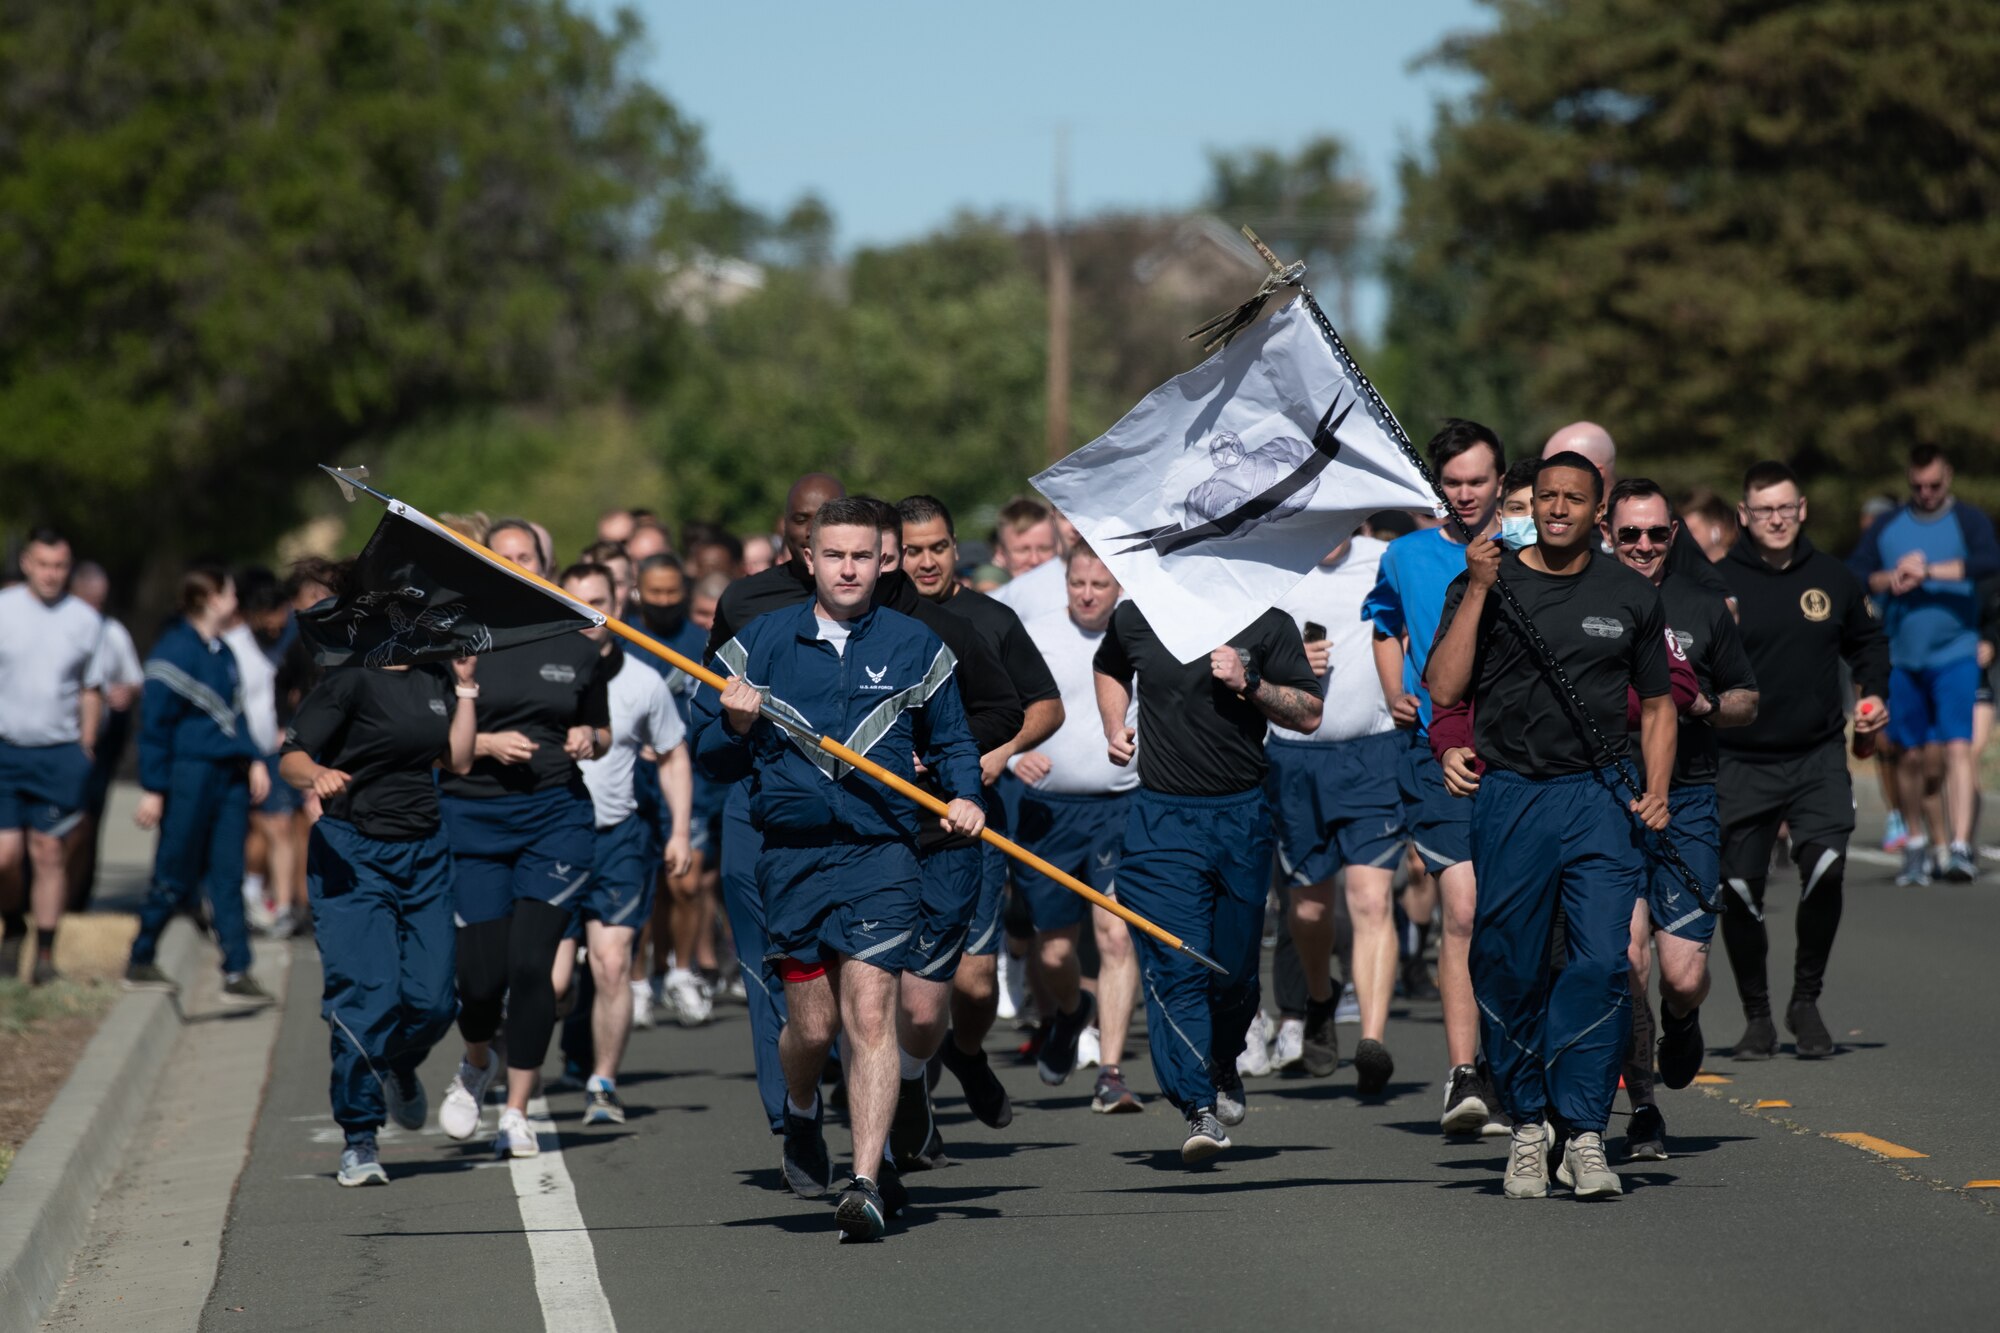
(1453, 656)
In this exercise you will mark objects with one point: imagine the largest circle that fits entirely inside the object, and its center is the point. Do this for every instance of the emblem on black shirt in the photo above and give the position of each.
(1684, 639)
(557, 674)
(1815, 603)
(437, 706)
(1603, 627)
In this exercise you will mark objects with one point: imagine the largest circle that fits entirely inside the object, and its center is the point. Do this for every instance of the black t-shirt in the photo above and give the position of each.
(385, 730)
(1606, 628)
(1001, 628)
(1701, 622)
(540, 690)
(1197, 737)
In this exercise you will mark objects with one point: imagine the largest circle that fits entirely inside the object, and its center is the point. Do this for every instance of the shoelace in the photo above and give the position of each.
(1527, 1160)
(1589, 1152)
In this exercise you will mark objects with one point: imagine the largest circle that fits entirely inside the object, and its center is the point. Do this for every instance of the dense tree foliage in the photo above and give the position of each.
(1727, 229)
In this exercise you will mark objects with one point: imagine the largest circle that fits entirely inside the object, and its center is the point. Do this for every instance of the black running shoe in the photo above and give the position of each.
(1415, 980)
(910, 1131)
(861, 1214)
(1205, 1137)
(1758, 1042)
(1466, 1108)
(1057, 1059)
(1321, 1049)
(1680, 1048)
(1372, 1066)
(1814, 1041)
(807, 1166)
(985, 1096)
(1646, 1135)
(895, 1198)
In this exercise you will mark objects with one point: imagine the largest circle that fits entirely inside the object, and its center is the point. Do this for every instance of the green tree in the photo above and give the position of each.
(1306, 205)
(1724, 228)
(243, 236)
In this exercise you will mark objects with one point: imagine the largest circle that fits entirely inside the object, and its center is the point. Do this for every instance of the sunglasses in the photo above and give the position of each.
(1657, 536)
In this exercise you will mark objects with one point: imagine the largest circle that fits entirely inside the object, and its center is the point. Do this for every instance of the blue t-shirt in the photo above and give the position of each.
(1409, 598)
(1937, 622)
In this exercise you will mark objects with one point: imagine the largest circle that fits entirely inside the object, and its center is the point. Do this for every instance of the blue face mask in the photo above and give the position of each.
(1517, 531)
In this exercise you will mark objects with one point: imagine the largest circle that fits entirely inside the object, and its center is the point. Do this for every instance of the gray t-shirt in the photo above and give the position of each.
(48, 656)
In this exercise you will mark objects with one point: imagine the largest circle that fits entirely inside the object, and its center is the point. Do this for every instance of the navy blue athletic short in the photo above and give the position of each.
(624, 872)
(1695, 827)
(853, 899)
(1003, 807)
(533, 845)
(43, 787)
(283, 798)
(1439, 823)
(952, 881)
(1082, 834)
(1336, 803)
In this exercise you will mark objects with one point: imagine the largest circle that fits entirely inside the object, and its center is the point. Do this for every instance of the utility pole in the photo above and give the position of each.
(1059, 300)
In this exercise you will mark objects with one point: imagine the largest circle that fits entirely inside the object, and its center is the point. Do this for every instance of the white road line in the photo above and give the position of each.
(566, 1278)
(1873, 858)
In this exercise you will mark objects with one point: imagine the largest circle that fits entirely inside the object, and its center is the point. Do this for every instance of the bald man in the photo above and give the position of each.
(1685, 557)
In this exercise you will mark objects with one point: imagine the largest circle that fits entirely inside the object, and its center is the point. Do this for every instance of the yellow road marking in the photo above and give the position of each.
(1765, 1105)
(1983, 1184)
(1710, 1079)
(1881, 1147)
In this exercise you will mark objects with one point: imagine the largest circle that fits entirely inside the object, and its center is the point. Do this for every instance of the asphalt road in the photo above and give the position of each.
(1327, 1207)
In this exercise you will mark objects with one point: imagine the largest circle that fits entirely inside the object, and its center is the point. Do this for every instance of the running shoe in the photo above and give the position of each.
(1089, 1048)
(1230, 1100)
(889, 1181)
(407, 1102)
(1112, 1097)
(458, 1115)
(1416, 982)
(1646, 1135)
(1916, 871)
(44, 973)
(1205, 1136)
(1809, 1029)
(1320, 1049)
(242, 990)
(806, 1164)
(1289, 1050)
(642, 1005)
(1466, 1108)
(1349, 1008)
(984, 1094)
(359, 1166)
(1057, 1060)
(1895, 833)
(283, 924)
(1759, 1040)
(912, 1128)
(861, 1214)
(1255, 1059)
(1013, 987)
(736, 992)
(1497, 1124)
(516, 1137)
(1527, 1175)
(1960, 866)
(1585, 1170)
(685, 996)
(148, 976)
(1680, 1048)
(600, 1103)
(1373, 1066)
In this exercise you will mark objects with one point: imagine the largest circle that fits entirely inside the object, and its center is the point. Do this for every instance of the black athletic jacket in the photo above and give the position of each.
(1798, 623)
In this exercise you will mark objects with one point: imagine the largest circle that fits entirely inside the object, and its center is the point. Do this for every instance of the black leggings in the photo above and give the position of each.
(511, 959)
(1822, 872)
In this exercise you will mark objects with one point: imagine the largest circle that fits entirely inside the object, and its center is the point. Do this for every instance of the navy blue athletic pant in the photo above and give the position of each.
(1554, 1047)
(382, 914)
(741, 846)
(202, 831)
(1198, 866)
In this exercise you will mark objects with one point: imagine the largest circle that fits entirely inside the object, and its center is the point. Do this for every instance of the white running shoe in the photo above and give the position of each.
(642, 1005)
(689, 1000)
(1013, 986)
(255, 909)
(516, 1137)
(458, 1115)
(1349, 1008)
(1290, 1048)
(283, 924)
(1255, 1060)
(1089, 1048)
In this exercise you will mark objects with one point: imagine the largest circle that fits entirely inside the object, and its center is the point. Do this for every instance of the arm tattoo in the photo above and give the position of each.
(1288, 707)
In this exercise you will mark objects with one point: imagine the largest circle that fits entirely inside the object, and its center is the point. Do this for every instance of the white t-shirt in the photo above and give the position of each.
(118, 657)
(1331, 596)
(48, 656)
(1037, 593)
(834, 632)
(1078, 764)
(260, 686)
(642, 715)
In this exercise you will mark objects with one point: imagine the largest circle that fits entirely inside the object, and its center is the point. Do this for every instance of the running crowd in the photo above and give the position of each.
(1563, 732)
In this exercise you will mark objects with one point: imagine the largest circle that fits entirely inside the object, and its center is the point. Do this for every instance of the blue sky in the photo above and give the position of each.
(898, 114)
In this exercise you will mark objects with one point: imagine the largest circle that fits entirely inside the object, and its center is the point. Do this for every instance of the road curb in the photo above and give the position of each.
(49, 1195)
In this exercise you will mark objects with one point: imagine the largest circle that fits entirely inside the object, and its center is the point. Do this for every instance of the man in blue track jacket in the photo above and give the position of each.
(838, 873)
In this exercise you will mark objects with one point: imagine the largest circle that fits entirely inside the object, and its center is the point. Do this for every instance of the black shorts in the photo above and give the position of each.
(1812, 792)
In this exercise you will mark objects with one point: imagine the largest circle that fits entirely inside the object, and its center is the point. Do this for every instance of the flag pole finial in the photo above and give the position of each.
(350, 480)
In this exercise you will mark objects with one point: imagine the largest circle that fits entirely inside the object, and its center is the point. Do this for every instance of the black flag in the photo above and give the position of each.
(417, 594)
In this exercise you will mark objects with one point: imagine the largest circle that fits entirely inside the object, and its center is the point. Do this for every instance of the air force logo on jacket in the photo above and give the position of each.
(889, 696)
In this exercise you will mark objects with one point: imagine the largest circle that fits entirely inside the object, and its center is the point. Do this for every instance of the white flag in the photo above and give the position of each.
(1226, 485)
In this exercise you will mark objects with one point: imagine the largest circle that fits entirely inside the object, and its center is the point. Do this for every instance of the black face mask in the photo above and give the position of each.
(664, 619)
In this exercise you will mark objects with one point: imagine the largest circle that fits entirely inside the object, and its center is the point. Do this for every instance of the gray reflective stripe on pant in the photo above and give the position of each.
(1167, 1014)
(874, 949)
(1826, 860)
(1612, 1012)
(1742, 887)
(618, 918)
(1691, 917)
(196, 693)
(1508, 1034)
(950, 955)
(569, 892)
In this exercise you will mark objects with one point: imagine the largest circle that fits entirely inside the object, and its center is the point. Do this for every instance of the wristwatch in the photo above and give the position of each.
(1251, 680)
